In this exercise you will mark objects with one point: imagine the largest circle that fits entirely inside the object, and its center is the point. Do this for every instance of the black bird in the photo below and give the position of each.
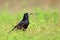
(23, 24)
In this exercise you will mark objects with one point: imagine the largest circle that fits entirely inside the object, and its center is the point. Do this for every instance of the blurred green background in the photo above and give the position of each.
(44, 22)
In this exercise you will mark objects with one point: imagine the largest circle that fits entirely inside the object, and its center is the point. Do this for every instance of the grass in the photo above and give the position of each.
(44, 25)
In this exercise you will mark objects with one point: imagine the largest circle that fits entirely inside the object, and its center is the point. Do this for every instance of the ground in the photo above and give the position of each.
(44, 25)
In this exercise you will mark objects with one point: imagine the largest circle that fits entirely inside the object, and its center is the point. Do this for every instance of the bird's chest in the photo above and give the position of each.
(26, 22)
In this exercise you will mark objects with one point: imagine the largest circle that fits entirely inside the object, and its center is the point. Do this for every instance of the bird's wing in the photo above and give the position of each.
(21, 23)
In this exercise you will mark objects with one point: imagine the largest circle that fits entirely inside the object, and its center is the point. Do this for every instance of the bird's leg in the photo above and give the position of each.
(24, 29)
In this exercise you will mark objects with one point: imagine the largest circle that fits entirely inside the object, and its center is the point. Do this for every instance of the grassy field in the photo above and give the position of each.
(44, 25)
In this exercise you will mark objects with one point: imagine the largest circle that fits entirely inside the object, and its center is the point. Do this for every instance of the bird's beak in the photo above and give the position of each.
(30, 14)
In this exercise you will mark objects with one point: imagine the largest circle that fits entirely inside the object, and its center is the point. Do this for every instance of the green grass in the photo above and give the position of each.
(44, 25)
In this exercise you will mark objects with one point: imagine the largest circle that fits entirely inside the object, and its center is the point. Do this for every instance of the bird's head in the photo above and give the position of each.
(26, 15)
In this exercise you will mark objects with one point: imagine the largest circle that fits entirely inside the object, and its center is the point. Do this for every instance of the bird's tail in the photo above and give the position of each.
(12, 29)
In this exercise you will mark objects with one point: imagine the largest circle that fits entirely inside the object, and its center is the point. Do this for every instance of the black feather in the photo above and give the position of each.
(23, 24)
